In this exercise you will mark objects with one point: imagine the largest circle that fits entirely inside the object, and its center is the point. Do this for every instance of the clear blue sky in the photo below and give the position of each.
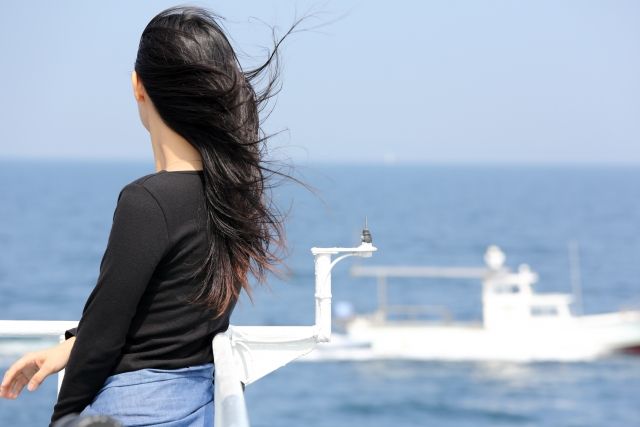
(420, 81)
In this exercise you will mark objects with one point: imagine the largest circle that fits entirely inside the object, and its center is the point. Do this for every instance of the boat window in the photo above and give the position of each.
(507, 289)
(544, 310)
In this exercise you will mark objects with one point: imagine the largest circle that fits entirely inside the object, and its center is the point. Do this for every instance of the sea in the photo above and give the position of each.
(55, 218)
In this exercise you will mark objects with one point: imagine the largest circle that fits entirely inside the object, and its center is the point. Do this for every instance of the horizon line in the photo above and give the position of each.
(350, 162)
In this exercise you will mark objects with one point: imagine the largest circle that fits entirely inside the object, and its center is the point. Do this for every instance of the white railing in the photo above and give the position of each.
(242, 354)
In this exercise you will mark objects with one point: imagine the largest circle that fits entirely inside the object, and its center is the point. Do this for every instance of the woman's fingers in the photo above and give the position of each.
(39, 376)
(19, 384)
(18, 365)
(10, 391)
(6, 388)
(20, 372)
(13, 369)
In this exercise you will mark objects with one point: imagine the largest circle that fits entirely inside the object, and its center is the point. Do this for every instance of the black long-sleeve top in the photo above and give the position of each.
(136, 317)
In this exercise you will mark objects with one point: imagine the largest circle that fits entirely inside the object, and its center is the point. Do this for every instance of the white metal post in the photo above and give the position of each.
(230, 407)
(323, 296)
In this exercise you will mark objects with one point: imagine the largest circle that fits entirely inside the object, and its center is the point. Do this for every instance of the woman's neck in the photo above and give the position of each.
(171, 151)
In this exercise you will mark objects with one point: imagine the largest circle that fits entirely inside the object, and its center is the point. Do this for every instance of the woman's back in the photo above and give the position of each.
(158, 240)
(166, 331)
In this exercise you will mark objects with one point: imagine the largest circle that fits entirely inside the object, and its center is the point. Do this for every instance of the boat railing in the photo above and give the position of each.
(384, 272)
(242, 354)
(417, 312)
(235, 365)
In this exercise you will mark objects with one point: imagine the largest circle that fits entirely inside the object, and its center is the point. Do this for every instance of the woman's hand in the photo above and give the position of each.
(34, 367)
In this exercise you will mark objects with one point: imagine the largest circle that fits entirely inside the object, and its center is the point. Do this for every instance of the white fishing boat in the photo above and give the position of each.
(517, 324)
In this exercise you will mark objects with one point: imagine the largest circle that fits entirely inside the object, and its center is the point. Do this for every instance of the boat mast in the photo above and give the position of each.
(382, 297)
(574, 271)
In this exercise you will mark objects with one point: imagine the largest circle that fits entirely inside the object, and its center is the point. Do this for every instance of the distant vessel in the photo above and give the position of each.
(518, 324)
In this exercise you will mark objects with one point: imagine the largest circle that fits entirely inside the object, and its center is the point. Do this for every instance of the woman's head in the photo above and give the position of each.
(198, 88)
(190, 71)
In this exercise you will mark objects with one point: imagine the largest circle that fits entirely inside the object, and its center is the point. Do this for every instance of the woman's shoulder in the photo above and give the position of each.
(161, 179)
(134, 186)
(165, 187)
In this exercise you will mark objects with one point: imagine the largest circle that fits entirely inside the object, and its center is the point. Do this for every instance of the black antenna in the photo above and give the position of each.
(366, 234)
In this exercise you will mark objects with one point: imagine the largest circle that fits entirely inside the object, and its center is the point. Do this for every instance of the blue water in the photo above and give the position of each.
(55, 218)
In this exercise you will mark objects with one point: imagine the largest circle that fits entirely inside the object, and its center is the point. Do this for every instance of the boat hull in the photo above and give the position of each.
(573, 339)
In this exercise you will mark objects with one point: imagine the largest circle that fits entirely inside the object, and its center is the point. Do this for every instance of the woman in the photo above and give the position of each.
(183, 239)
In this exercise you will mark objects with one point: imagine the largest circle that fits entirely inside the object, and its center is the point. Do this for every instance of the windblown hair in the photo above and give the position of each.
(196, 83)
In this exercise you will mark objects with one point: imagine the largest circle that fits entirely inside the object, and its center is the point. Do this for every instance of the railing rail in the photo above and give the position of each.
(35, 328)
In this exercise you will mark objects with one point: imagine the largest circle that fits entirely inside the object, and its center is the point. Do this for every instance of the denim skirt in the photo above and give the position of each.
(158, 397)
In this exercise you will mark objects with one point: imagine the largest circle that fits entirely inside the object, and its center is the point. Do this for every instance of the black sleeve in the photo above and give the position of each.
(70, 333)
(137, 242)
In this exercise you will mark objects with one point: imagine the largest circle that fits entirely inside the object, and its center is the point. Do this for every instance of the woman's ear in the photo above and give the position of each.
(140, 95)
(138, 90)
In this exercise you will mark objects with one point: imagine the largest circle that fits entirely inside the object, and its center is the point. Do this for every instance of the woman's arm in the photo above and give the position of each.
(34, 367)
(137, 242)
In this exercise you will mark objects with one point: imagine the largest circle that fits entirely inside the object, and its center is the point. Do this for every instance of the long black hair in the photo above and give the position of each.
(192, 74)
